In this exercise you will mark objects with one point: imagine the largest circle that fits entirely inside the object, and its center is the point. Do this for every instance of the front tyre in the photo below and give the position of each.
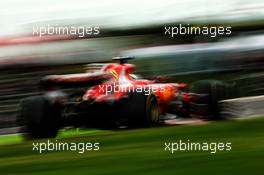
(215, 91)
(143, 110)
(152, 110)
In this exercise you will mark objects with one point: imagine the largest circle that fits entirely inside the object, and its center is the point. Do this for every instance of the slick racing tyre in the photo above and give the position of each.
(40, 116)
(152, 110)
(214, 92)
(143, 109)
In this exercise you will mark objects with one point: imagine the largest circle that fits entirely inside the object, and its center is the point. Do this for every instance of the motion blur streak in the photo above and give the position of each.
(24, 59)
(228, 69)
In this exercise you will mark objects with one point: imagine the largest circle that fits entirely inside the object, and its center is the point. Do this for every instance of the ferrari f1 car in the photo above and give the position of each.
(113, 96)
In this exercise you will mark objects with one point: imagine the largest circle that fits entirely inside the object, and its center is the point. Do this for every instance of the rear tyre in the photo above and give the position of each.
(41, 117)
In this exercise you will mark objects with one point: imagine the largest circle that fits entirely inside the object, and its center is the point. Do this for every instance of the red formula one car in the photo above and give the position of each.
(109, 97)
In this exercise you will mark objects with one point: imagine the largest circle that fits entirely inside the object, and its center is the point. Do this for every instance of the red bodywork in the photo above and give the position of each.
(117, 81)
(121, 83)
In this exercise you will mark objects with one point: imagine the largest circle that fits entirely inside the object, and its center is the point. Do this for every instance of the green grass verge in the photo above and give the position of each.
(141, 151)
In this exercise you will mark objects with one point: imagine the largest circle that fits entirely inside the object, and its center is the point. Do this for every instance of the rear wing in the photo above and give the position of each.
(74, 80)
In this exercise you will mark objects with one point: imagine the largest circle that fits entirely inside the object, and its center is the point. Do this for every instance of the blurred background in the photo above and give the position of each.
(129, 28)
